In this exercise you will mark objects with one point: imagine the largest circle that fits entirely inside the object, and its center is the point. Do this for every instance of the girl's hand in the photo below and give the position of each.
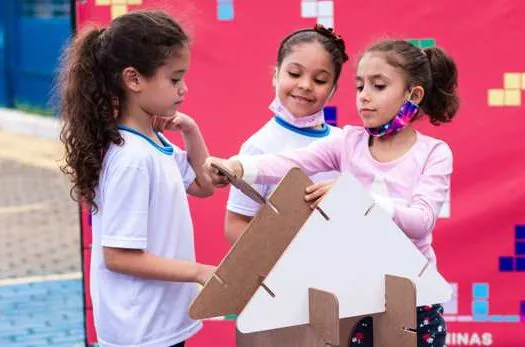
(204, 273)
(178, 122)
(218, 179)
(317, 191)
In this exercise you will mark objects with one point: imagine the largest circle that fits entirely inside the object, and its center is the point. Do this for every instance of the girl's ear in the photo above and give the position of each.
(274, 78)
(416, 94)
(132, 79)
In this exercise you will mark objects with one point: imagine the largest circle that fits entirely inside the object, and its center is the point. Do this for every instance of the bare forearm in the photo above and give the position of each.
(145, 265)
(235, 225)
(197, 154)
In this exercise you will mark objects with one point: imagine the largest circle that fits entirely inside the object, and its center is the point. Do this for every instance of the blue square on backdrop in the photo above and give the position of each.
(520, 247)
(480, 308)
(506, 264)
(480, 290)
(224, 2)
(520, 264)
(520, 232)
(330, 115)
(504, 319)
(225, 12)
(522, 306)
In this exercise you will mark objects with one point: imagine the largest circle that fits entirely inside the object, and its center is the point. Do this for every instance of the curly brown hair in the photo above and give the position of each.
(92, 90)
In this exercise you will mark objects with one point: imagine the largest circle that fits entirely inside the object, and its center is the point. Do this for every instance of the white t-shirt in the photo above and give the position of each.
(274, 137)
(142, 204)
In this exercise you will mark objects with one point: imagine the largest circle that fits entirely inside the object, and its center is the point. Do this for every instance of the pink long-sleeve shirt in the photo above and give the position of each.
(411, 188)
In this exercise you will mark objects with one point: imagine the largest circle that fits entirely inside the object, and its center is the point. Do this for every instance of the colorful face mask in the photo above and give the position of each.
(406, 113)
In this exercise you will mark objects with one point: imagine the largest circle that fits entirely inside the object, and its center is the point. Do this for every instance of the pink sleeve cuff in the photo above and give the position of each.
(249, 168)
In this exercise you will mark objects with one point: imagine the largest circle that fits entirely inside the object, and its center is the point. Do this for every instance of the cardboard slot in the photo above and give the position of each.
(272, 206)
(268, 290)
(423, 269)
(219, 279)
(323, 213)
(370, 209)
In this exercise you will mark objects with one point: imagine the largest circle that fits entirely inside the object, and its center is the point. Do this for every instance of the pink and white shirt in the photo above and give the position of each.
(411, 188)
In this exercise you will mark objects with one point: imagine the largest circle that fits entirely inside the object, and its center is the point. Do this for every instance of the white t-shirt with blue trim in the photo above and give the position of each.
(274, 137)
(142, 204)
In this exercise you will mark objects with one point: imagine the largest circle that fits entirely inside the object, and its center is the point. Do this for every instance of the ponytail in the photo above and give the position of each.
(441, 102)
(86, 109)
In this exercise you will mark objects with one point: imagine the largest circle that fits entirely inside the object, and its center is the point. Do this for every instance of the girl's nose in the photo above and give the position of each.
(305, 83)
(183, 89)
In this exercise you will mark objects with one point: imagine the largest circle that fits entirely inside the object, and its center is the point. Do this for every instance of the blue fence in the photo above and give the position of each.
(32, 35)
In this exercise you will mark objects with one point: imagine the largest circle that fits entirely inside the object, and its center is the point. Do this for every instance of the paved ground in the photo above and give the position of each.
(42, 313)
(40, 285)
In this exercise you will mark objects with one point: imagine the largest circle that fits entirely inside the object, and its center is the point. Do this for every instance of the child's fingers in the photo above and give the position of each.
(163, 123)
(314, 205)
(156, 124)
(175, 121)
(220, 181)
(318, 185)
(315, 195)
(208, 167)
(316, 192)
(313, 187)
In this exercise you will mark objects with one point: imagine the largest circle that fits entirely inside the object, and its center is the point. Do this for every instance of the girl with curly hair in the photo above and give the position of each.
(120, 87)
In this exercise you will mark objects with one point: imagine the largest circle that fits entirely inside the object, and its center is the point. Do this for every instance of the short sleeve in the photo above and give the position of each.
(186, 171)
(125, 208)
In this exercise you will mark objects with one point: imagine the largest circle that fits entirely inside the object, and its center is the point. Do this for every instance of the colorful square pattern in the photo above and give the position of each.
(322, 10)
(423, 43)
(225, 10)
(510, 95)
(118, 7)
(517, 261)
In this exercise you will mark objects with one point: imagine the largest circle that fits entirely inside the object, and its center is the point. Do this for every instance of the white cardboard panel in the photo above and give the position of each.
(348, 256)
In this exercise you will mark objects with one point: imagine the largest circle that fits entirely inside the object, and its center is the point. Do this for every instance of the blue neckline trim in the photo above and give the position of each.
(324, 131)
(166, 148)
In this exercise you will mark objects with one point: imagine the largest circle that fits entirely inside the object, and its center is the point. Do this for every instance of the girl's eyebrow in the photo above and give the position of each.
(372, 77)
(298, 64)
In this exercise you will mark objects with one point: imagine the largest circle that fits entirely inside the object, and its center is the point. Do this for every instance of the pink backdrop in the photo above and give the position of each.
(480, 244)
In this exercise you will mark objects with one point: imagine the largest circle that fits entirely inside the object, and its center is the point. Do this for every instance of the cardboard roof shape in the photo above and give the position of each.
(288, 248)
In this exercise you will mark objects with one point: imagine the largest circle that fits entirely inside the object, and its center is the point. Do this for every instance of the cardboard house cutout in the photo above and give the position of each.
(303, 277)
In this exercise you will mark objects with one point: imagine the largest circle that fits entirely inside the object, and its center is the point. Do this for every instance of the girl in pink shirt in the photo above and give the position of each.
(408, 173)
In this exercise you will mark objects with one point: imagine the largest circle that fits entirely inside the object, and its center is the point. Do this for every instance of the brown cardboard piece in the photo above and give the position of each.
(248, 262)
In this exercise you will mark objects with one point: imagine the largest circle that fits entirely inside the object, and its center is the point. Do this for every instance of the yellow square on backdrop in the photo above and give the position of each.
(513, 97)
(134, 2)
(512, 80)
(118, 10)
(496, 97)
(523, 81)
(103, 2)
(119, 2)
